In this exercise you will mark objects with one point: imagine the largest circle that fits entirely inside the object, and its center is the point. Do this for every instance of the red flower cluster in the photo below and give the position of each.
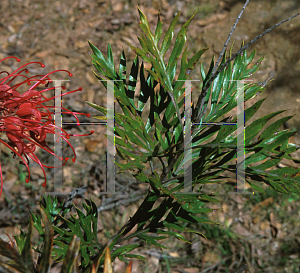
(24, 118)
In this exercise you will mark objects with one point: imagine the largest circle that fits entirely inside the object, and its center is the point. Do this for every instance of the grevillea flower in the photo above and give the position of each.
(26, 120)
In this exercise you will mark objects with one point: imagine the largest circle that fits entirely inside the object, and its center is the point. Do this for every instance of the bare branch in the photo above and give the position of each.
(263, 83)
(229, 36)
(242, 268)
(205, 88)
(120, 202)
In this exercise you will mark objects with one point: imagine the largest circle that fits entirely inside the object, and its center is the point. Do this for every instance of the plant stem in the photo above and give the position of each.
(205, 88)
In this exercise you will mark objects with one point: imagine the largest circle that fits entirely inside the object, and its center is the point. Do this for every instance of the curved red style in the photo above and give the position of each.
(24, 118)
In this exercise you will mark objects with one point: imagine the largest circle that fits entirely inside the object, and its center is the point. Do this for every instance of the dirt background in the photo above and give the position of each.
(56, 34)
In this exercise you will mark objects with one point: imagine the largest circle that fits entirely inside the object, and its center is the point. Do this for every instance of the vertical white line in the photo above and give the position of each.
(110, 180)
(240, 152)
(57, 137)
(187, 137)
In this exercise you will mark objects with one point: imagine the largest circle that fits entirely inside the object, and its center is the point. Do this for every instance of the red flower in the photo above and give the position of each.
(24, 118)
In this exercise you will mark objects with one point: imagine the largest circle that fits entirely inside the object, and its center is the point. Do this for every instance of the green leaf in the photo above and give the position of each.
(255, 187)
(193, 61)
(277, 139)
(132, 81)
(175, 234)
(205, 198)
(70, 259)
(15, 261)
(152, 240)
(140, 53)
(251, 57)
(26, 254)
(158, 30)
(122, 67)
(144, 24)
(179, 44)
(20, 240)
(110, 58)
(135, 256)
(155, 184)
(169, 35)
(184, 229)
(196, 207)
(277, 187)
(124, 249)
(256, 126)
(101, 63)
(256, 157)
(187, 67)
(274, 127)
(143, 44)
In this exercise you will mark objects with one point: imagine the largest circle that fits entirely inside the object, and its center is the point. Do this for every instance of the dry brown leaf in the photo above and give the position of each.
(239, 229)
(263, 203)
(211, 257)
(191, 270)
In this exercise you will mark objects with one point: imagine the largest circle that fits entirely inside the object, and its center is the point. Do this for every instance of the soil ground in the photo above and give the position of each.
(56, 34)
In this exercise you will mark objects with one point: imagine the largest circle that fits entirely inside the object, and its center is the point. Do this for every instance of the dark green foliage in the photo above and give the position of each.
(209, 160)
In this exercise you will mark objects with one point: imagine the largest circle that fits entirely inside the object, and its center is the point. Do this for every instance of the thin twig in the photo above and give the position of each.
(158, 255)
(210, 268)
(177, 109)
(242, 268)
(229, 36)
(163, 165)
(263, 83)
(120, 202)
(205, 88)
(215, 265)
(77, 192)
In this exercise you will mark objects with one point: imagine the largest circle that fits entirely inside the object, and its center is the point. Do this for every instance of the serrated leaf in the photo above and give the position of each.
(101, 63)
(187, 67)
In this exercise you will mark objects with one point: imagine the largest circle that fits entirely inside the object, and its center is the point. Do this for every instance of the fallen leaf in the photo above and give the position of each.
(262, 204)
